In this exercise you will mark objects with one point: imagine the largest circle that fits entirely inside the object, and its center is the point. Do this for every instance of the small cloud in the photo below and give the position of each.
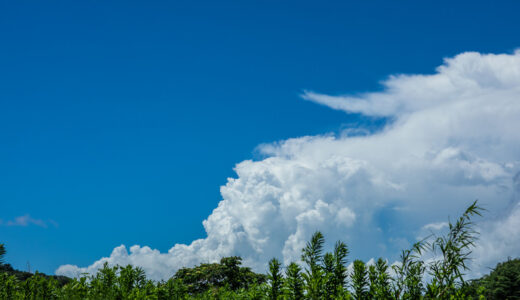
(53, 223)
(435, 226)
(431, 230)
(27, 220)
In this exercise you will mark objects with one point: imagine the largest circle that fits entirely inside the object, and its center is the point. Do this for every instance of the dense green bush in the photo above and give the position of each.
(502, 283)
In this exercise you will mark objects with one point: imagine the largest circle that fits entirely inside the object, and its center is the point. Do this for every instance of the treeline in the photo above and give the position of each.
(317, 276)
(24, 275)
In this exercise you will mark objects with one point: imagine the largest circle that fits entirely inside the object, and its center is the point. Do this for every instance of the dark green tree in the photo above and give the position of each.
(372, 277)
(293, 284)
(360, 280)
(380, 286)
(173, 289)
(231, 271)
(129, 280)
(330, 288)
(504, 281)
(312, 257)
(226, 273)
(103, 284)
(275, 279)
(340, 261)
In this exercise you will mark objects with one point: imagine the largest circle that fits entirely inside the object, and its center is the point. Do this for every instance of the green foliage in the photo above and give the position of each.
(226, 273)
(502, 283)
(335, 271)
(359, 280)
(380, 281)
(324, 276)
(409, 272)
(231, 271)
(2, 253)
(454, 249)
(75, 290)
(171, 289)
(9, 287)
(340, 270)
(22, 276)
(293, 284)
(414, 281)
(313, 274)
(274, 277)
(330, 289)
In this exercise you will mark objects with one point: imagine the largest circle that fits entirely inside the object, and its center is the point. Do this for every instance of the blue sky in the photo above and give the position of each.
(120, 121)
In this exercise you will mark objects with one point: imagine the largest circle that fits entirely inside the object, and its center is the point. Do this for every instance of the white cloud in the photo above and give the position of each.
(500, 237)
(464, 76)
(454, 138)
(435, 226)
(27, 220)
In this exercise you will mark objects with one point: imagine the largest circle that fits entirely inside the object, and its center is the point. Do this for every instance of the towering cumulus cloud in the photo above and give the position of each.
(454, 136)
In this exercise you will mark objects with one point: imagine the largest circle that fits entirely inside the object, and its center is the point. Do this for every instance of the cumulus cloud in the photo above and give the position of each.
(500, 236)
(453, 138)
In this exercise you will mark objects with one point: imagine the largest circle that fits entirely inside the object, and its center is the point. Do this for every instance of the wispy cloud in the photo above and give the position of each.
(27, 220)
(435, 226)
